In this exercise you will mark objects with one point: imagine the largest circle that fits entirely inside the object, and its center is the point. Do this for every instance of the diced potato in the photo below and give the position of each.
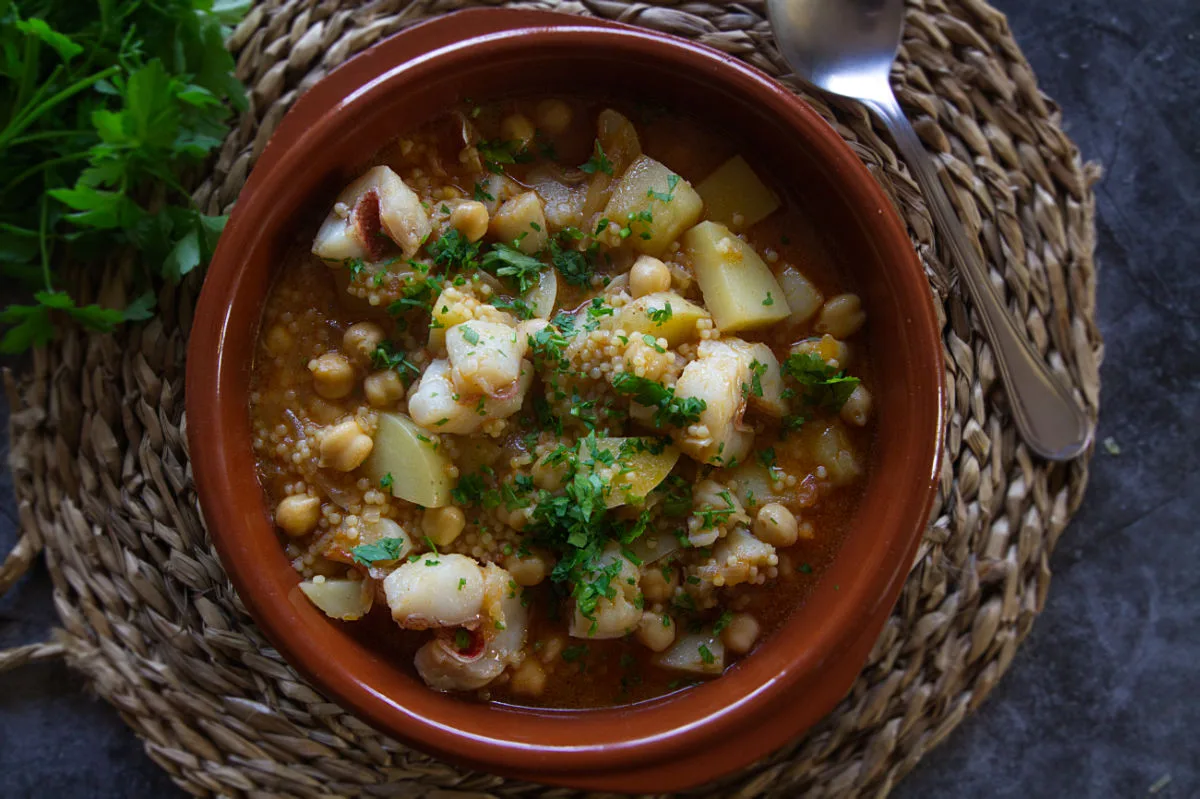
(521, 219)
(701, 654)
(739, 290)
(542, 296)
(636, 203)
(755, 487)
(341, 598)
(640, 469)
(734, 189)
(405, 451)
(804, 298)
(635, 317)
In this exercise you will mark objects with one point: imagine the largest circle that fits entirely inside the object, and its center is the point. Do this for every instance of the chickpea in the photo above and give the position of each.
(333, 376)
(656, 631)
(857, 409)
(345, 446)
(517, 127)
(659, 582)
(360, 340)
(529, 678)
(648, 276)
(279, 340)
(553, 116)
(841, 316)
(298, 514)
(443, 525)
(775, 525)
(527, 570)
(384, 388)
(470, 219)
(741, 633)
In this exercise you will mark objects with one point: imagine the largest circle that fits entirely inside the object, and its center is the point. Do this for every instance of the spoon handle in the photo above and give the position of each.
(1049, 419)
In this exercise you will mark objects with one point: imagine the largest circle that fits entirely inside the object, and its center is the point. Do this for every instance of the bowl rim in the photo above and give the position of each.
(492, 31)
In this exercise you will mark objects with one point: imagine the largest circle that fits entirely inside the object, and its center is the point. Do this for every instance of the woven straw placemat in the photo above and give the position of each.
(104, 486)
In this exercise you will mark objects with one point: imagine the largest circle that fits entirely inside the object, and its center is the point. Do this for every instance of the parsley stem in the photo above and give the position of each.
(29, 116)
(33, 170)
(42, 242)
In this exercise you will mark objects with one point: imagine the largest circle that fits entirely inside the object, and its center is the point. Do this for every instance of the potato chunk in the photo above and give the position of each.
(655, 203)
(700, 654)
(522, 220)
(734, 191)
(738, 288)
(649, 314)
(419, 470)
(340, 599)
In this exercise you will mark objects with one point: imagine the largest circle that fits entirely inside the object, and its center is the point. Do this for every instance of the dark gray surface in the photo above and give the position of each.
(1102, 699)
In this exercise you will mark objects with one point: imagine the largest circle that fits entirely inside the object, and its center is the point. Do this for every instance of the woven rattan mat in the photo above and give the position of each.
(104, 486)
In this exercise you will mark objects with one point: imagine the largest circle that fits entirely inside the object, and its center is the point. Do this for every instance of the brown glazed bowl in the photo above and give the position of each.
(795, 676)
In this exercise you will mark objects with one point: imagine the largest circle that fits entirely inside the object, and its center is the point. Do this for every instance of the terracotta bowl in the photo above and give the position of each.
(797, 675)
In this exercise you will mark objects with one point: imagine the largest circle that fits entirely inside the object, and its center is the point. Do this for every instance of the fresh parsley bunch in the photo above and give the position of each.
(105, 106)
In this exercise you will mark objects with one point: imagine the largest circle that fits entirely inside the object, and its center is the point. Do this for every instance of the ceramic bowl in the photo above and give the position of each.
(795, 676)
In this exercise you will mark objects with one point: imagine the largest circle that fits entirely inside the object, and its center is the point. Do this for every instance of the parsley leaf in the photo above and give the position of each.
(669, 194)
(452, 249)
(503, 260)
(575, 267)
(677, 411)
(386, 356)
(383, 549)
(598, 162)
(496, 154)
(824, 388)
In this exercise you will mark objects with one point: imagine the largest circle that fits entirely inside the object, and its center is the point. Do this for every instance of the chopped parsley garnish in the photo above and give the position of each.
(823, 387)
(481, 194)
(505, 261)
(575, 267)
(469, 334)
(659, 316)
(462, 639)
(706, 655)
(386, 356)
(672, 182)
(677, 496)
(496, 154)
(453, 249)
(574, 653)
(757, 370)
(383, 549)
(767, 457)
(386, 481)
(518, 306)
(722, 622)
(598, 162)
(769, 301)
(677, 411)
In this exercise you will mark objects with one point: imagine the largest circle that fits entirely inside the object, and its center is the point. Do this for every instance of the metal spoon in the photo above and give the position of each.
(846, 47)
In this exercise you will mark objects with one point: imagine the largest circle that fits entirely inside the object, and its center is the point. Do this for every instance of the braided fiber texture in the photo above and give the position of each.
(148, 616)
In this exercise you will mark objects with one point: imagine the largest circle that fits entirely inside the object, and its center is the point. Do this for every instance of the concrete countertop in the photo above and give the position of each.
(1102, 700)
